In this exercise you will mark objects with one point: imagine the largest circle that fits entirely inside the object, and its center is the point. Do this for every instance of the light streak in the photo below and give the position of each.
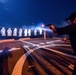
(40, 31)
(3, 31)
(20, 32)
(29, 32)
(25, 32)
(15, 32)
(9, 32)
(35, 32)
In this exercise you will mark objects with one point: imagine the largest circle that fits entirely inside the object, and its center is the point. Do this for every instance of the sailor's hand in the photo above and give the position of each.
(53, 28)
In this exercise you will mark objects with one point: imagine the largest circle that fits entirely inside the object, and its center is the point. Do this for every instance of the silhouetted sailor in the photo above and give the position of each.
(70, 30)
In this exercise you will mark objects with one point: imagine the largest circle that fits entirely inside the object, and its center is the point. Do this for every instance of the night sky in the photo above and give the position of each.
(18, 13)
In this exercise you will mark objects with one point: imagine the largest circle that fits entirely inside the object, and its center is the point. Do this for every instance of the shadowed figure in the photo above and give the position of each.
(70, 30)
(4, 61)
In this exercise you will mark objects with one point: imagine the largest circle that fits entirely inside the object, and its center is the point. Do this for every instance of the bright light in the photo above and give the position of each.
(20, 32)
(42, 25)
(25, 32)
(35, 32)
(3, 31)
(29, 32)
(9, 32)
(15, 32)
